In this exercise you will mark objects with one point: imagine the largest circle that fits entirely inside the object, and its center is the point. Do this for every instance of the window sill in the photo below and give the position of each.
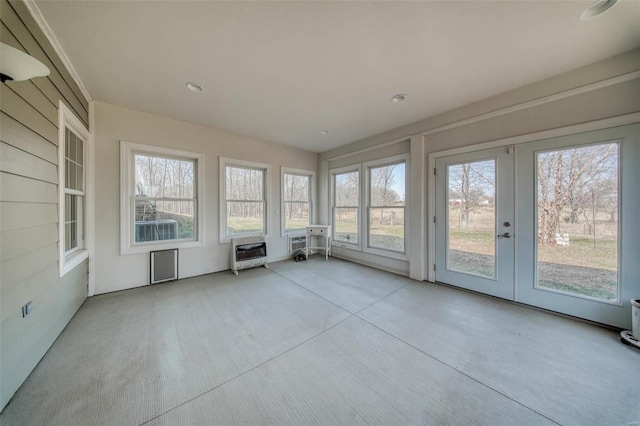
(71, 261)
(227, 239)
(160, 245)
(387, 253)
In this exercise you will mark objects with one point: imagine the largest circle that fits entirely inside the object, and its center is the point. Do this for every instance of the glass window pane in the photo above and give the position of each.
(159, 177)
(67, 164)
(386, 228)
(346, 224)
(471, 233)
(387, 185)
(296, 215)
(347, 189)
(577, 241)
(245, 217)
(244, 184)
(72, 175)
(79, 178)
(164, 220)
(71, 145)
(80, 150)
(296, 187)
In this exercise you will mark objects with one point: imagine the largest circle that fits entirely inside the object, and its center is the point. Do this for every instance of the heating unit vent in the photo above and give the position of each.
(247, 252)
(297, 242)
(164, 265)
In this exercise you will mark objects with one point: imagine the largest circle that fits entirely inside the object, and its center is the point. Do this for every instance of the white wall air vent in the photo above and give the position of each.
(247, 252)
(297, 242)
(164, 265)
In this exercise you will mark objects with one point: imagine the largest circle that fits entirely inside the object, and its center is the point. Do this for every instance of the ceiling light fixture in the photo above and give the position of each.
(194, 87)
(18, 66)
(399, 98)
(324, 132)
(596, 9)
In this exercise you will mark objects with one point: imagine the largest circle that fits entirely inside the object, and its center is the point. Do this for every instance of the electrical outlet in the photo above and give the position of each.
(26, 309)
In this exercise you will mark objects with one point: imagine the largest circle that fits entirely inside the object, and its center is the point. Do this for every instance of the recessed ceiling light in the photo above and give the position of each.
(194, 87)
(324, 132)
(597, 8)
(399, 98)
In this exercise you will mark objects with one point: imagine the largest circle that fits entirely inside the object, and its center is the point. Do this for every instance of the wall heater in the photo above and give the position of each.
(164, 265)
(247, 252)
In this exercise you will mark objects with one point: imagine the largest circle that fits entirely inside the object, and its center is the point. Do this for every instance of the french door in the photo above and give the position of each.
(474, 221)
(551, 223)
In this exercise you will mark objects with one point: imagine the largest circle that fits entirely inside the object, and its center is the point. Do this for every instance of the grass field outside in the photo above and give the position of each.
(587, 266)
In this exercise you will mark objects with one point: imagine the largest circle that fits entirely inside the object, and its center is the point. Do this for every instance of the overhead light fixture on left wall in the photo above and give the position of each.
(18, 66)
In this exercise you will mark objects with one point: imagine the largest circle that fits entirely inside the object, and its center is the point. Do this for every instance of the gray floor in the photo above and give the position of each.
(325, 342)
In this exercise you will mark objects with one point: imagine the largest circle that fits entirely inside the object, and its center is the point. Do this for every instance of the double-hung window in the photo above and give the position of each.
(72, 169)
(369, 206)
(386, 196)
(161, 190)
(296, 200)
(243, 193)
(346, 206)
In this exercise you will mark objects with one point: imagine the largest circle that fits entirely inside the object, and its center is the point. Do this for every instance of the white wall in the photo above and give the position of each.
(113, 124)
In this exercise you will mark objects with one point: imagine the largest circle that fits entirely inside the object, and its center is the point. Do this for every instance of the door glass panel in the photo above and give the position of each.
(471, 218)
(577, 239)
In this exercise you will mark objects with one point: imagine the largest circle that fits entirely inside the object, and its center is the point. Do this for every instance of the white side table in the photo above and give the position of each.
(319, 231)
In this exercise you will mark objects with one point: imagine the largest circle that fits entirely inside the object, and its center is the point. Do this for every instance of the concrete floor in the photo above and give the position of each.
(325, 342)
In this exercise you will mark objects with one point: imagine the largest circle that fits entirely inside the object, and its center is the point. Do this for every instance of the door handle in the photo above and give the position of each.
(505, 235)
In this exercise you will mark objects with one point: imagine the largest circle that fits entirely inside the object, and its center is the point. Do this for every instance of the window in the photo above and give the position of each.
(386, 195)
(160, 198)
(346, 202)
(296, 199)
(381, 190)
(72, 171)
(243, 193)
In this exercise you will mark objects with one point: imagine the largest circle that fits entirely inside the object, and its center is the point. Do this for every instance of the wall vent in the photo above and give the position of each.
(297, 242)
(164, 265)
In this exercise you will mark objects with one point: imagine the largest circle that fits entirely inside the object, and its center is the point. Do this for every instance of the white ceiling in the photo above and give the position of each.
(282, 71)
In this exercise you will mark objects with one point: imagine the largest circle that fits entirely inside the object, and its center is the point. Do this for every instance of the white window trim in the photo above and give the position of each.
(224, 162)
(127, 176)
(396, 159)
(67, 119)
(332, 198)
(312, 194)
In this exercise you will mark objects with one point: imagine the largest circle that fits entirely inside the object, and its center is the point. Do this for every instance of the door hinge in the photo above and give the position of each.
(434, 171)
(434, 266)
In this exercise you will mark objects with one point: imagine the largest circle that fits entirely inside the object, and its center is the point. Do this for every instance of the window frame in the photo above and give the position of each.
(367, 166)
(69, 259)
(230, 162)
(298, 172)
(128, 150)
(340, 171)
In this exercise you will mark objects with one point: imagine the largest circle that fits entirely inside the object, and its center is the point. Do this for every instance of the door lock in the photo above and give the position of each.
(505, 235)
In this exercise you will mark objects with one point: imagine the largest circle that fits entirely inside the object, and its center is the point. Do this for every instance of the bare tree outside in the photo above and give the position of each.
(387, 207)
(165, 201)
(471, 211)
(297, 201)
(245, 204)
(346, 206)
(577, 220)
